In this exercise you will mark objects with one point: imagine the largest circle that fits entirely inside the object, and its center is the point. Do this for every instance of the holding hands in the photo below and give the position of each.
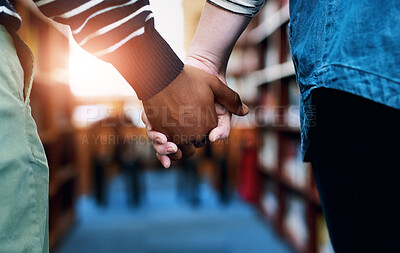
(197, 105)
(185, 114)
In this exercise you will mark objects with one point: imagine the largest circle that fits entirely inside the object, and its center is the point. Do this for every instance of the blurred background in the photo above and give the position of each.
(108, 193)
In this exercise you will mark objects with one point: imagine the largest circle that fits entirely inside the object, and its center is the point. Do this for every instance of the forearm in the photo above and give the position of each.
(218, 30)
(216, 34)
(120, 32)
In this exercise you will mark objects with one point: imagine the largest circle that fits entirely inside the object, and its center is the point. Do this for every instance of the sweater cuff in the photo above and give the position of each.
(147, 63)
(248, 8)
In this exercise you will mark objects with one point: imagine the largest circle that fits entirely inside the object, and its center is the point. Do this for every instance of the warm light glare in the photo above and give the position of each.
(92, 77)
(169, 23)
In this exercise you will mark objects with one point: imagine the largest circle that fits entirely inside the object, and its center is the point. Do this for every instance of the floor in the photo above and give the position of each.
(167, 224)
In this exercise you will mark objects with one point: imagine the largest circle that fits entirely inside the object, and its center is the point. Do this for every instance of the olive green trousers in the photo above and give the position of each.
(24, 173)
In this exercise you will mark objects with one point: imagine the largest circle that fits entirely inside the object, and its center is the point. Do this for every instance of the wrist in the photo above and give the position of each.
(207, 62)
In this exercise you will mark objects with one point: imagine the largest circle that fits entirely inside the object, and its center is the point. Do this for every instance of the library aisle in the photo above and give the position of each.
(166, 223)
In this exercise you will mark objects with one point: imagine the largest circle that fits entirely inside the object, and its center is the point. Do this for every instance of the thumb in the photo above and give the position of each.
(228, 98)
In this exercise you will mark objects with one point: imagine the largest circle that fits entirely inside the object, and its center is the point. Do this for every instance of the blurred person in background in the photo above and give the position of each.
(122, 33)
(346, 55)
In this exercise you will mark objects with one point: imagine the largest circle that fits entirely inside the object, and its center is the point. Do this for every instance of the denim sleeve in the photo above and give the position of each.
(244, 7)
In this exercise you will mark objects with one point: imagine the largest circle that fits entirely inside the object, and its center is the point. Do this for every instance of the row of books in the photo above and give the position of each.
(273, 112)
(270, 200)
(288, 197)
(244, 60)
(292, 114)
(294, 216)
(270, 105)
(295, 220)
(269, 152)
(294, 170)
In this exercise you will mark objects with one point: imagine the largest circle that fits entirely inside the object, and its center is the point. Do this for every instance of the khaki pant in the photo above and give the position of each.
(24, 174)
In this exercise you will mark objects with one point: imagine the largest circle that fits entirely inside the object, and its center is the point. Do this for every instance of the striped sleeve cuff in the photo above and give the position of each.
(248, 8)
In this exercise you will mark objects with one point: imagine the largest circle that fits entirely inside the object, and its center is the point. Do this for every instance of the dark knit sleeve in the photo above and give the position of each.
(122, 33)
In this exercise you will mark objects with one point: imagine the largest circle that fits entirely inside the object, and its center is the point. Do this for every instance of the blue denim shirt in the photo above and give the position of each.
(348, 45)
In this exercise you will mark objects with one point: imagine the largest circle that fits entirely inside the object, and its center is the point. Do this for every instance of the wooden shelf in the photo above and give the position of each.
(301, 190)
(284, 129)
(272, 173)
(63, 224)
(51, 135)
(276, 97)
(271, 220)
(269, 25)
(270, 74)
(48, 136)
(46, 79)
(305, 192)
(33, 9)
(294, 244)
(63, 175)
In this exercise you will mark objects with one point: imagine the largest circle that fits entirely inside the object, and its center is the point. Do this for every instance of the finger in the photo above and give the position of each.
(165, 161)
(176, 156)
(165, 149)
(188, 150)
(228, 98)
(224, 124)
(223, 128)
(156, 137)
(146, 121)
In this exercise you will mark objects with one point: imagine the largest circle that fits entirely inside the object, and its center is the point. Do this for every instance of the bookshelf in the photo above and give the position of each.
(52, 105)
(289, 200)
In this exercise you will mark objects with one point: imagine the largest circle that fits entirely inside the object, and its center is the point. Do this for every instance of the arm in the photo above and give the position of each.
(220, 26)
(211, 48)
(213, 42)
(122, 33)
(216, 34)
(179, 102)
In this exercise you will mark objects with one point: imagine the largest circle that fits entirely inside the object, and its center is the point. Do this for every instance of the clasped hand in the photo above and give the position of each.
(183, 115)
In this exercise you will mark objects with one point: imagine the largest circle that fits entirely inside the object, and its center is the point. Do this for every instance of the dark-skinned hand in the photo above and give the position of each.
(184, 111)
